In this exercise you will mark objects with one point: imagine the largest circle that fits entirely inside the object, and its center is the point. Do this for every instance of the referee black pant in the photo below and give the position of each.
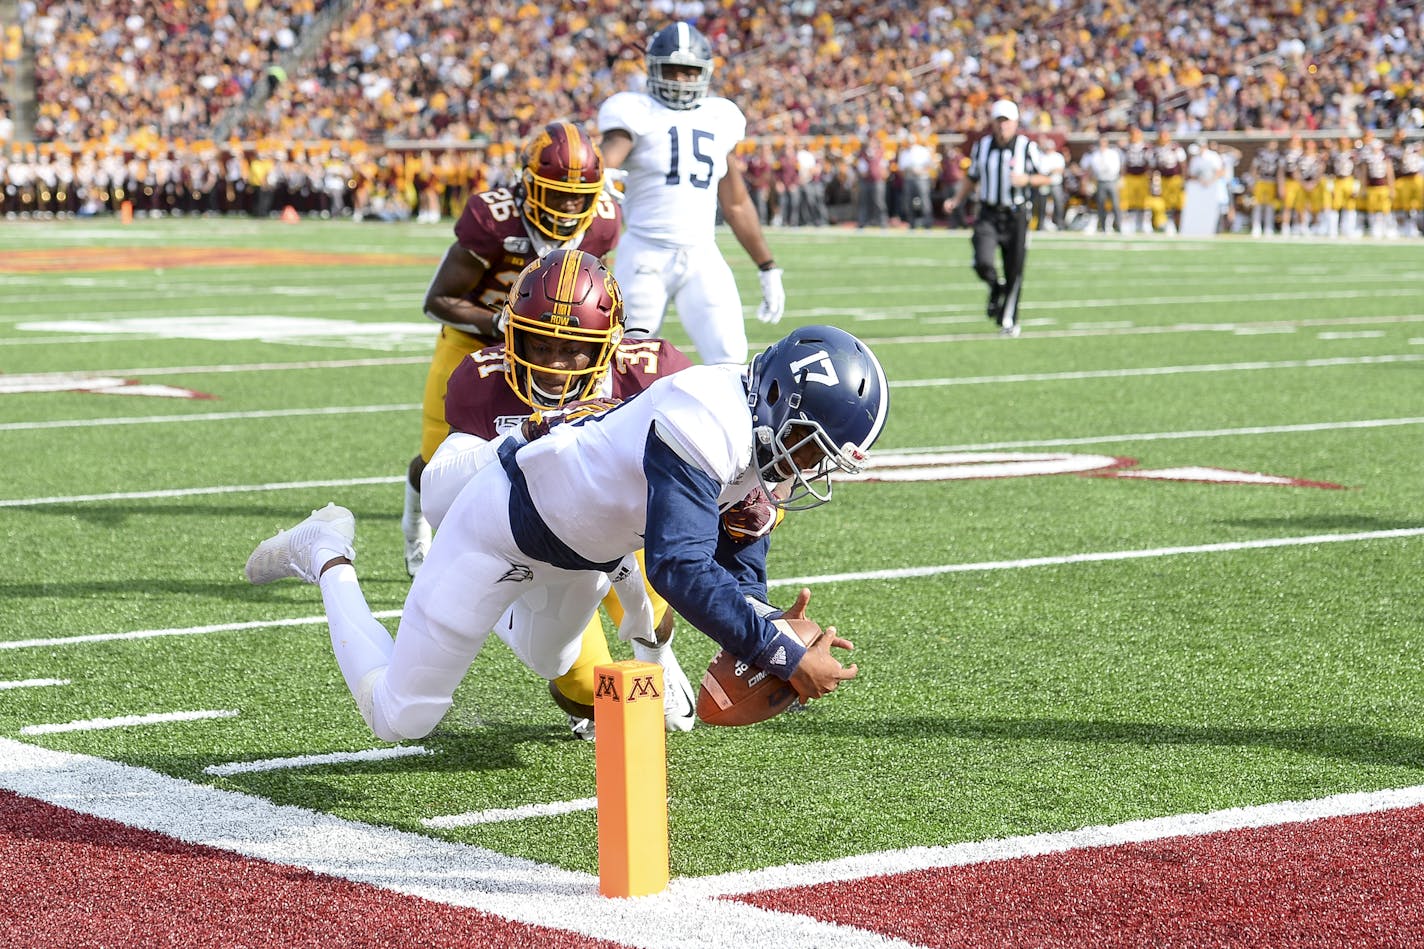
(1005, 230)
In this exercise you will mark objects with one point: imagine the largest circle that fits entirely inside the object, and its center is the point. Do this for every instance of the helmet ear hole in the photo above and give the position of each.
(773, 393)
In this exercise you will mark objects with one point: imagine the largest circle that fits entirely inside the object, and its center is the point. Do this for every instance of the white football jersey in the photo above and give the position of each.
(678, 158)
(701, 412)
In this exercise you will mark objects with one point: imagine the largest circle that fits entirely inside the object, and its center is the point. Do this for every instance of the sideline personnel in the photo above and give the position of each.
(1003, 167)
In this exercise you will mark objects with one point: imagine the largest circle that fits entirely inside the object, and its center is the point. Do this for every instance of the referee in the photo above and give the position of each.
(1004, 167)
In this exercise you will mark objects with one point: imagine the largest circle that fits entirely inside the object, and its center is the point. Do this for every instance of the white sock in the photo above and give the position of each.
(359, 642)
(411, 515)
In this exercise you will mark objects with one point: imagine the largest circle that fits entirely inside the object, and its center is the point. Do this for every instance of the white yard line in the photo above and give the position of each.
(1171, 436)
(196, 492)
(31, 683)
(501, 814)
(1323, 363)
(243, 367)
(1138, 302)
(690, 912)
(208, 417)
(904, 573)
(983, 446)
(1033, 845)
(867, 575)
(126, 721)
(442, 871)
(181, 631)
(315, 761)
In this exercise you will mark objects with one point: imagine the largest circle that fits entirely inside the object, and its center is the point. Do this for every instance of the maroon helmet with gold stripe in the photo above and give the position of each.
(562, 174)
(562, 322)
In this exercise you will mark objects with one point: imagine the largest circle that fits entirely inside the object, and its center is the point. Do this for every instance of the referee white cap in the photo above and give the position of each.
(1004, 109)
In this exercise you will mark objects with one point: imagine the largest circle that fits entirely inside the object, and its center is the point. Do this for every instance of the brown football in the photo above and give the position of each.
(735, 693)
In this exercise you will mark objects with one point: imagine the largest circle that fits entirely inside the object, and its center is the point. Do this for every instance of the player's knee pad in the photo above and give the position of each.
(412, 720)
(987, 273)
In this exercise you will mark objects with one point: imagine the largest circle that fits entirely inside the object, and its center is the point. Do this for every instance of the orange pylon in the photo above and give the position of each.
(631, 762)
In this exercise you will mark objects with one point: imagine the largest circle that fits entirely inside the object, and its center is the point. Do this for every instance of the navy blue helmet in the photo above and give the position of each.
(679, 45)
(822, 387)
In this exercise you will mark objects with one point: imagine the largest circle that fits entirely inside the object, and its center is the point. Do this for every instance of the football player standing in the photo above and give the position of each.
(673, 149)
(557, 202)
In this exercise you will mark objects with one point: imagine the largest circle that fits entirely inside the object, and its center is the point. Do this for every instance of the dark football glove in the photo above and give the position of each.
(538, 424)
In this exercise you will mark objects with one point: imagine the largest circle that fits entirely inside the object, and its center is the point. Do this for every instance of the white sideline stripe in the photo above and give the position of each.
(31, 683)
(206, 417)
(438, 870)
(1033, 845)
(311, 761)
(197, 492)
(181, 631)
(499, 814)
(1158, 371)
(126, 721)
(1103, 556)
(897, 574)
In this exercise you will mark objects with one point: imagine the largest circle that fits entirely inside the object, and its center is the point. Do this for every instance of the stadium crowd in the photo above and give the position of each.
(394, 69)
(143, 85)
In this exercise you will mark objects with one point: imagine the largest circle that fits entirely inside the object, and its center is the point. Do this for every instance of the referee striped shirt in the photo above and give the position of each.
(991, 168)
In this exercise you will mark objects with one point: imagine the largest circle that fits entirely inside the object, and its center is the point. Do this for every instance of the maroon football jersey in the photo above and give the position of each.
(1169, 160)
(1136, 158)
(492, 228)
(479, 400)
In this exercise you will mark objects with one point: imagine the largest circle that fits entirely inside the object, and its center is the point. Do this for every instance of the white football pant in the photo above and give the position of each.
(475, 579)
(697, 280)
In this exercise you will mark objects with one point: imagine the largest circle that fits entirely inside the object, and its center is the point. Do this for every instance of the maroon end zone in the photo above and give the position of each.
(1353, 881)
(70, 880)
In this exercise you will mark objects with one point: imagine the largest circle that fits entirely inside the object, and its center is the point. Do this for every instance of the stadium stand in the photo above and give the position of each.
(386, 78)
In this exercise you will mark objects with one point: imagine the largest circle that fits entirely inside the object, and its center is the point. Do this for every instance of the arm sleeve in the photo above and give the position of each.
(454, 464)
(745, 561)
(682, 550)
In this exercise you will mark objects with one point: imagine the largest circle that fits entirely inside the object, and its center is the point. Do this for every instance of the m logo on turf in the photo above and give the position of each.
(607, 686)
(643, 688)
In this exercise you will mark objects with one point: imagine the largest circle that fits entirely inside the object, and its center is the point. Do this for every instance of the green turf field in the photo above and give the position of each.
(1037, 653)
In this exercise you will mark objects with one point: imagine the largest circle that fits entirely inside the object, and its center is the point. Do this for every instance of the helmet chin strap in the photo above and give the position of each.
(550, 399)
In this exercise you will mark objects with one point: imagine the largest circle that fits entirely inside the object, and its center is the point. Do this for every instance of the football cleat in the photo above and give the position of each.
(582, 728)
(580, 715)
(679, 706)
(417, 545)
(1011, 330)
(289, 553)
(997, 293)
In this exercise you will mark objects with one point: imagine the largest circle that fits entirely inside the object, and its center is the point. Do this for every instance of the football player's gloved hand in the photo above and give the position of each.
(773, 297)
(612, 178)
(538, 424)
(752, 517)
